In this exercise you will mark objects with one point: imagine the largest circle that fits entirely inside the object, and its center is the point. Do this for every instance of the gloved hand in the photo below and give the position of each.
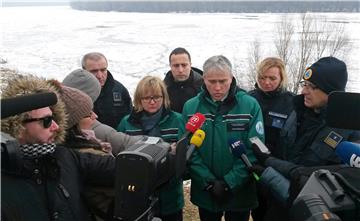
(219, 191)
(257, 168)
(260, 156)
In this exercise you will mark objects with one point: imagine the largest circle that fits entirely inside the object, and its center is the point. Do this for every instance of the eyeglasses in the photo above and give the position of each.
(308, 85)
(155, 98)
(94, 71)
(47, 121)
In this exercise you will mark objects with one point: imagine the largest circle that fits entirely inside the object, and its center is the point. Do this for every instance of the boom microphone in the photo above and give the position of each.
(24, 103)
(238, 149)
(349, 153)
(194, 123)
(195, 141)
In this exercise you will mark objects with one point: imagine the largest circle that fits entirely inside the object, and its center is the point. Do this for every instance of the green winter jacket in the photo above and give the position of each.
(170, 195)
(237, 117)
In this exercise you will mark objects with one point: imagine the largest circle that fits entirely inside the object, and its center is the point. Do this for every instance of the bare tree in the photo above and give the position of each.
(246, 77)
(285, 32)
(315, 37)
(253, 60)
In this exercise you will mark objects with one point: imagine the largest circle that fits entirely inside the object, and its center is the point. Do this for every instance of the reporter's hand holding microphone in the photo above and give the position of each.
(260, 151)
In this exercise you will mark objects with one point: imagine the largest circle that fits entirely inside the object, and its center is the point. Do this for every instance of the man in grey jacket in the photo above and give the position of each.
(86, 82)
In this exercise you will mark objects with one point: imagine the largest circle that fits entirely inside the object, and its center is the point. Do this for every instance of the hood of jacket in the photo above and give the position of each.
(30, 84)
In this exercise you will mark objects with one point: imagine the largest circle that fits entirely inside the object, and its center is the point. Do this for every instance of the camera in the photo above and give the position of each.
(327, 196)
(141, 170)
(333, 193)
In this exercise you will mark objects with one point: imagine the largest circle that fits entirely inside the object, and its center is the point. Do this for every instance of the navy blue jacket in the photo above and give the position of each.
(276, 107)
(113, 103)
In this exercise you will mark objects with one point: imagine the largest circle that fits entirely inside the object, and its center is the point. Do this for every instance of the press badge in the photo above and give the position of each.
(277, 119)
(333, 139)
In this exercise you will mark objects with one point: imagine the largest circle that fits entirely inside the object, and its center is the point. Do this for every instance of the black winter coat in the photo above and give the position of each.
(49, 188)
(307, 140)
(180, 92)
(276, 106)
(113, 103)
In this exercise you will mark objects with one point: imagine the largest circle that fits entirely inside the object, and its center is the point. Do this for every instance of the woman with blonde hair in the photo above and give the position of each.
(152, 116)
(276, 105)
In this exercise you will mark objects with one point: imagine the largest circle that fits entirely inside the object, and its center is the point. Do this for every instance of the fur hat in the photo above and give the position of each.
(85, 82)
(30, 84)
(77, 104)
(328, 73)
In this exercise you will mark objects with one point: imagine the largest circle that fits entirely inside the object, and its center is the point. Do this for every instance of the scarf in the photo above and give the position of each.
(37, 150)
(149, 123)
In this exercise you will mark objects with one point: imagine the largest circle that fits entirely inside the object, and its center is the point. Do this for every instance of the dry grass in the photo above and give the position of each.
(190, 211)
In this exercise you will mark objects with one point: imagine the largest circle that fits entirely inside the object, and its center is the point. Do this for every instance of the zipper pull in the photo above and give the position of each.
(65, 192)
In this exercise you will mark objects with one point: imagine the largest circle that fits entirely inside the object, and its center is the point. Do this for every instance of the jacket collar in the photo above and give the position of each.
(222, 106)
(135, 117)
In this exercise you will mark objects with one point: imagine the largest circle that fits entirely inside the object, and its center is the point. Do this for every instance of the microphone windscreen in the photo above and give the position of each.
(343, 110)
(349, 153)
(195, 122)
(237, 147)
(24, 103)
(197, 138)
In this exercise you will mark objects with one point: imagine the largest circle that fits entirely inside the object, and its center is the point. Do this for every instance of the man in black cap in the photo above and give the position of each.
(306, 139)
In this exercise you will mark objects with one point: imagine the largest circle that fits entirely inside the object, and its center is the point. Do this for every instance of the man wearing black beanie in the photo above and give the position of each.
(306, 139)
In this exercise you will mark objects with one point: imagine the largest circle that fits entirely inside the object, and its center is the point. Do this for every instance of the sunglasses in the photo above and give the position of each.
(47, 121)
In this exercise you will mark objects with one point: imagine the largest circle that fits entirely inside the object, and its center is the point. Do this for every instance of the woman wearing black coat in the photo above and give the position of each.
(276, 104)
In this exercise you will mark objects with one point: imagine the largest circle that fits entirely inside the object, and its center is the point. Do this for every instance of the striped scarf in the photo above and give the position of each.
(37, 150)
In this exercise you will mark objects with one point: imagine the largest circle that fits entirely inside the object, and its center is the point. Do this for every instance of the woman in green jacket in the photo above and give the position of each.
(220, 182)
(152, 116)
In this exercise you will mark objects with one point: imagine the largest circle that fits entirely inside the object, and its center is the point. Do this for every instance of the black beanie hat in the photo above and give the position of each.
(329, 74)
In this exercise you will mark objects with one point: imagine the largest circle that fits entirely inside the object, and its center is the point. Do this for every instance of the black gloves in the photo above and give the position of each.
(260, 156)
(219, 191)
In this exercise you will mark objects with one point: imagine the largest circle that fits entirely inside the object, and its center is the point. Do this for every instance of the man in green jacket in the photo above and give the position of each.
(220, 182)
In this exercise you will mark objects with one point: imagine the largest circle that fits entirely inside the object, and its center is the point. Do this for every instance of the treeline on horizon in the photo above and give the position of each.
(218, 6)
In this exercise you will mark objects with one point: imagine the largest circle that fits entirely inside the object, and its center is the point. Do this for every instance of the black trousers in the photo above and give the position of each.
(177, 216)
(206, 215)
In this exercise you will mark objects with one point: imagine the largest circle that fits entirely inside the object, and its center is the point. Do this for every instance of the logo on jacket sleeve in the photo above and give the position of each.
(260, 128)
(333, 139)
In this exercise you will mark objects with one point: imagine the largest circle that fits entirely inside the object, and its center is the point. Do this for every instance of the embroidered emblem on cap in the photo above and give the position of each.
(333, 139)
(308, 74)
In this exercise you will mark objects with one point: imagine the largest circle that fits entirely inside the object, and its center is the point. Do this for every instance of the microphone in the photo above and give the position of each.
(195, 141)
(238, 149)
(194, 123)
(349, 153)
(24, 103)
